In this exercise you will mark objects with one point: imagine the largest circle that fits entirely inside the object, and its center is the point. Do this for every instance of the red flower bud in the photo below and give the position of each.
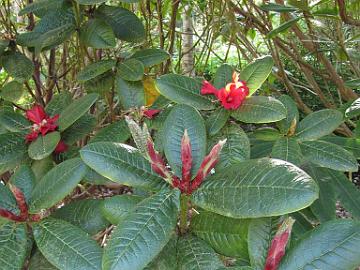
(61, 147)
(151, 113)
(157, 163)
(186, 158)
(278, 245)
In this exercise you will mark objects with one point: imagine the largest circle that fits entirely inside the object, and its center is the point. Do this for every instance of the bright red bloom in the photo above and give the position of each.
(278, 245)
(151, 113)
(61, 147)
(231, 96)
(42, 122)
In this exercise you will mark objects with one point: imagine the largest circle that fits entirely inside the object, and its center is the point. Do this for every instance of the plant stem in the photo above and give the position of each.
(184, 201)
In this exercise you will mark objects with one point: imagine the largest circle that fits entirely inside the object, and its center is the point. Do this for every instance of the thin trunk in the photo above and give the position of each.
(187, 61)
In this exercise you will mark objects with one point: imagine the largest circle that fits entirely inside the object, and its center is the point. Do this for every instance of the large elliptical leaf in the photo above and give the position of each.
(131, 70)
(216, 121)
(223, 76)
(183, 90)
(333, 245)
(66, 246)
(12, 91)
(39, 262)
(150, 57)
(257, 188)
(196, 254)
(14, 122)
(227, 236)
(117, 132)
(97, 34)
(131, 94)
(260, 109)
(121, 163)
(82, 127)
(181, 118)
(138, 239)
(43, 146)
(167, 258)
(58, 103)
(95, 69)
(57, 184)
(292, 115)
(288, 149)
(12, 150)
(283, 27)
(24, 179)
(257, 72)
(17, 66)
(318, 124)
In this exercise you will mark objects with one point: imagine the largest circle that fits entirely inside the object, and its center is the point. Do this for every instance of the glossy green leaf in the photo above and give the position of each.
(75, 110)
(287, 149)
(58, 103)
(12, 91)
(283, 27)
(14, 122)
(41, 7)
(196, 254)
(57, 184)
(181, 118)
(101, 84)
(95, 69)
(265, 134)
(82, 127)
(260, 109)
(183, 90)
(85, 214)
(257, 72)
(331, 245)
(216, 121)
(39, 262)
(354, 109)
(236, 148)
(167, 258)
(66, 246)
(120, 19)
(131, 70)
(97, 34)
(94, 178)
(329, 155)
(292, 114)
(277, 8)
(17, 66)
(90, 2)
(318, 124)
(12, 150)
(150, 57)
(138, 239)
(116, 208)
(24, 179)
(131, 94)
(260, 235)
(7, 200)
(14, 246)
(227, 236)
(260, 149)
(121, 163)
(257, 188)
(43, 146)
(350, 144)
(117, 132)
(41, 167)
(223, 76)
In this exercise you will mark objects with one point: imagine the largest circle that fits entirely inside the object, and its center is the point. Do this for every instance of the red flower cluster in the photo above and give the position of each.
(43, 124)
(232, 96)
(185, 184)
(151, 113)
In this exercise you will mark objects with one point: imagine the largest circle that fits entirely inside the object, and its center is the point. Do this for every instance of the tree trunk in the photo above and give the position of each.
(187, 59)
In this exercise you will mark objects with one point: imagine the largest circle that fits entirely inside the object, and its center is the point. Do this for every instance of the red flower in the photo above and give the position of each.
(42, 122)
(232, 96)
(151, 113)
(61, 147)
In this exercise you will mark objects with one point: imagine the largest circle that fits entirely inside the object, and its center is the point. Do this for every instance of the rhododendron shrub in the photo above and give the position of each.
(170, 172)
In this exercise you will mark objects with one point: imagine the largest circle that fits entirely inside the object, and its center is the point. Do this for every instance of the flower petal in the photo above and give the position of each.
(36, 114)
(208, 89)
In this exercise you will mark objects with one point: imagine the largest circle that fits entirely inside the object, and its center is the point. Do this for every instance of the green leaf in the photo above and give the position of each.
(12, 150)
(182, 89)
(94, 178)
(265, 134)
(260, 235)
(95, 69)
(354, 109)
(350, 144)
(57, 184)
(329, 246)
(283, 27)
(90, 2)
(24, 179)
(116, 208)
(39, 262)
(277, 8)
(43, 146)
(14, 122)
(167, 259)
(75, 110)
(121, 163)
(12, 91)
(120, 19)
(318, 124)
(66, 246)
(41, 167)
(287, 149)
(17, 66)
(14, 246)
(329, 155)
(7, 200)
(260, 109)
(257, 72)
(216, 121)
(131, 70)
(117, 132)
(181, 118)
(101, 84)
(41, 7)
(260, 149)
(85, 214)
(257, 188)
(223, 76)
(236, 148)
(139, 238)
(196, 254)
(97, 34)
(227, 236)
(58, 103)
(151, 57)
(4, 44)
(82, 127)
(131, 94)
(292, 114)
